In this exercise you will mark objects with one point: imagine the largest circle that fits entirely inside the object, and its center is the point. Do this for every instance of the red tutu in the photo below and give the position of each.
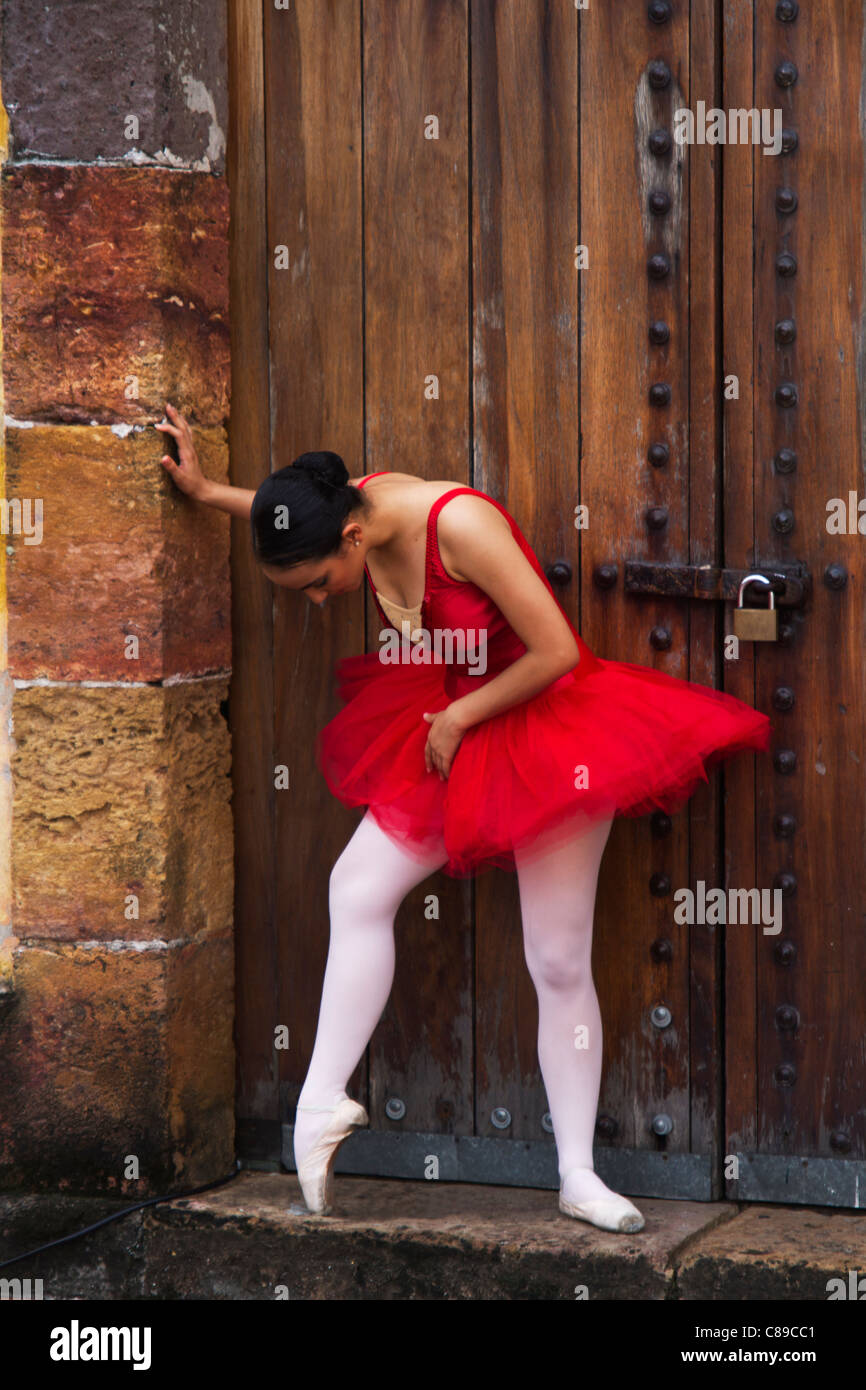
(608, 738)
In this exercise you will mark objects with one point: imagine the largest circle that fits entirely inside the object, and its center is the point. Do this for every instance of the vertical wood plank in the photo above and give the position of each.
(416, 297)
(739, 523)
(313, 96)
(705, 626)
(824, 662)
(251, 689)
(646, 1069)
(526, 423)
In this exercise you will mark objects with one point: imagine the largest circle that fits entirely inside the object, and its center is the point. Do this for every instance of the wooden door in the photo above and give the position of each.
(464, 246)
(794, 330)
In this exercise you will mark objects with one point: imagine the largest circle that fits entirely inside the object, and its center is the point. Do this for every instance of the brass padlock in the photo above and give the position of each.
(756, 624)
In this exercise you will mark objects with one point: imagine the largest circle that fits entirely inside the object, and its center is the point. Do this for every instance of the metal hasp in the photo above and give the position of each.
(790, 584)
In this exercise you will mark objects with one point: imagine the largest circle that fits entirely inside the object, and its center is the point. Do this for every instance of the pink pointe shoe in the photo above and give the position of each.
(316, 1172)
(610, 1215)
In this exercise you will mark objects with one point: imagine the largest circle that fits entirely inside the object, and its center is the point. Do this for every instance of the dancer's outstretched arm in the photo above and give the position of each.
(187, 475)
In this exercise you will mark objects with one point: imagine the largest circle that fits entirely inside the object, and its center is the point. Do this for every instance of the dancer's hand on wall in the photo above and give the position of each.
(186, 475)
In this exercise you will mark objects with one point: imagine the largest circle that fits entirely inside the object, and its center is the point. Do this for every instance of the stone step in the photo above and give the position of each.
(392, 1239)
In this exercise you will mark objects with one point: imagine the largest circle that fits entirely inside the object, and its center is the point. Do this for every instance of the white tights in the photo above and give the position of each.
(557, 898)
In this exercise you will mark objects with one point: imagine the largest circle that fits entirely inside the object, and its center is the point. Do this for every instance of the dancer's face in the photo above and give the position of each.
(318, 579)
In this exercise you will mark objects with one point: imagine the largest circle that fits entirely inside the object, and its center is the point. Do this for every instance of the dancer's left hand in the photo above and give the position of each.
(442, 742)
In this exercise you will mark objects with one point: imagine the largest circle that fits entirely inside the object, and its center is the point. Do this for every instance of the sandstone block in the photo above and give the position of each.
(121, 803)
(159, 63)
(118, 553)
(99, 1053)
(114, 293)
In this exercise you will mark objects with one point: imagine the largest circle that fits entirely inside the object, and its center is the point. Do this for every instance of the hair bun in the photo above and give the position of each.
(325, 466)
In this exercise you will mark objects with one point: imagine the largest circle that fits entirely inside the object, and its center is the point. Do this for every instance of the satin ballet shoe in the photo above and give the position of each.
(316, 1172)
(618, 1214)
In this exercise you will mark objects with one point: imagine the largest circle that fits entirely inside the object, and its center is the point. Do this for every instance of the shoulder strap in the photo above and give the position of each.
(432, 536)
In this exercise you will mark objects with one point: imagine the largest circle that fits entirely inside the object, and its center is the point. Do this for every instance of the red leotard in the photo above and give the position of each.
(607, 738)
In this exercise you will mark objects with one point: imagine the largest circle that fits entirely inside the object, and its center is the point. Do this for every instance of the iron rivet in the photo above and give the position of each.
(659, 12)
(607, 1127)
(547, 1122)
(783, 698)
(785, 1075)
(784, 825)
(659, 141)
(783, 521)
(659, 74)
(661, 950)
(660, 638)
(785, 461)
(660, 393)
(840, 1141)
(559, 572)
(786, 264)
(785, 761)
(835, 576)
(660, 885)
(659, 331)
(790, 141)
(500, 1117)
(786, 200)
(658, 455)
(785, 394)
(786, 883)
(604, 576)
(657, 518)
(785, 952)
(786, 74)
(787, 1018)
(787, 11)
(662, 1124)
(660, 824)
(659, 266)
(786, 331)
(395, 1109)
(661, 1016)
(659, 202)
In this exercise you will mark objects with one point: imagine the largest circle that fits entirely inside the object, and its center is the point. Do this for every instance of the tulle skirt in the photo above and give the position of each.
(623, 740)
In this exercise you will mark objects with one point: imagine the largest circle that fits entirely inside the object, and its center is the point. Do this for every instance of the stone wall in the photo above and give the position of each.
(116, 855)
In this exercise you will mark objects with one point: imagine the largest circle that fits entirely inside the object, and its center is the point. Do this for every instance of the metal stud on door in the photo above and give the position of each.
(756, 624)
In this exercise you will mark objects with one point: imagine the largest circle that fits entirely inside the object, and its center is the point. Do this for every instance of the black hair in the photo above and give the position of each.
(314, 499)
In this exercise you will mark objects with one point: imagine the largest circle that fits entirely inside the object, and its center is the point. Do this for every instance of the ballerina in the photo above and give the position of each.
(520, 762)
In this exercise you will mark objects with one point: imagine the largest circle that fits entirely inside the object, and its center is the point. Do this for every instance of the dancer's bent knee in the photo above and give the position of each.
(373, 874)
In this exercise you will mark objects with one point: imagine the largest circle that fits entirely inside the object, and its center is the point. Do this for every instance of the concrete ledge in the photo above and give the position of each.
(392, 1239)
